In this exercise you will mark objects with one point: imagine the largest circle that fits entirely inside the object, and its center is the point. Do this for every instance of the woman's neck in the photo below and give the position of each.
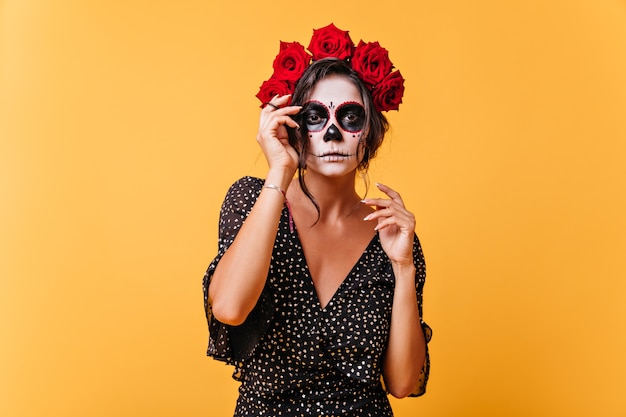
(336, 196)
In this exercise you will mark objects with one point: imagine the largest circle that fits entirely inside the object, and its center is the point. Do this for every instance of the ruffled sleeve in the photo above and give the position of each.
(233, 344)
(420, 279)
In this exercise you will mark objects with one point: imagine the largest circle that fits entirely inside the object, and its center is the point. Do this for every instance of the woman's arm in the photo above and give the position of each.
(406, 349)
(240, 275)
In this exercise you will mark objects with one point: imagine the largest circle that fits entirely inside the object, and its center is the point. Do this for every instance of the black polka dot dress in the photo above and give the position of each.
(293, 357)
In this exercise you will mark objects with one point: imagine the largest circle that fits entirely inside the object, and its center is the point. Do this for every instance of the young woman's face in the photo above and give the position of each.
(334, 119)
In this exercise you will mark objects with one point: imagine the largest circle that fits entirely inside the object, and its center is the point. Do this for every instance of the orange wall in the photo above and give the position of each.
(122, 123)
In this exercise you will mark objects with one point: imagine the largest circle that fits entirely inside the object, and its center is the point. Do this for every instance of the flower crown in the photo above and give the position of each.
(369, 60)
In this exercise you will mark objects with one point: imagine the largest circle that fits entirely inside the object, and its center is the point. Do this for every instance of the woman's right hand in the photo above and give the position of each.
(272, 135)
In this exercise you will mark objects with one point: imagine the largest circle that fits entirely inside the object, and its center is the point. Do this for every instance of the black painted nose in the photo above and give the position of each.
(332, 133)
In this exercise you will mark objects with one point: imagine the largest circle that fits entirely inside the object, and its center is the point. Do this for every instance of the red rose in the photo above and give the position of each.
(291, 61)
(387, 95)
(371, 62)
(272, 87)
(330, 41)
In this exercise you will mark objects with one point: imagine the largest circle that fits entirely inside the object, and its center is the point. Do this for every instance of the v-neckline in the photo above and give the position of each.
(309, 277)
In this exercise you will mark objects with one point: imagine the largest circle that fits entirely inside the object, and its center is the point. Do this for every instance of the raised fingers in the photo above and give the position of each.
(277, 102)
(275, 113)
(394, 195)
(272, 135)
(392, 215)
(278, 106)
(389, 211)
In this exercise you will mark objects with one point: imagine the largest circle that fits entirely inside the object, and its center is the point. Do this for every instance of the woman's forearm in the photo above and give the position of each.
(240, 275)
(406, 350)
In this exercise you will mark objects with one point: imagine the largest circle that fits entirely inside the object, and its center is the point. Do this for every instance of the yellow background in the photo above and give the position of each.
(122, 123)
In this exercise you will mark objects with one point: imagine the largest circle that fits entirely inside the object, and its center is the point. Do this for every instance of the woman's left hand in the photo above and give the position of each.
(396, 225)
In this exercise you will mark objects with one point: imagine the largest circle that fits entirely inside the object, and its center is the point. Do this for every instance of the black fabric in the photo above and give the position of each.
(294, 357)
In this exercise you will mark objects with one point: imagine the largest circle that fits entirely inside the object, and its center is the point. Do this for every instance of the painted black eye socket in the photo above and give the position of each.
(314, 116)
(351, 117)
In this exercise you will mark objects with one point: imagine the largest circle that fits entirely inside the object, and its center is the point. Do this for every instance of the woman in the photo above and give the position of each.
(316, 293)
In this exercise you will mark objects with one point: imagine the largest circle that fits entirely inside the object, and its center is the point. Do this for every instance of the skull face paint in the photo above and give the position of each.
(350, 116)
(333, 122)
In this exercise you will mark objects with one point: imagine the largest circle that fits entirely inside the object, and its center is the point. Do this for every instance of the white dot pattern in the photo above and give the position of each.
(293, 357)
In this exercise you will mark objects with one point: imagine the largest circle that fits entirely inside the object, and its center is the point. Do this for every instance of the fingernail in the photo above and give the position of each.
(366, 218)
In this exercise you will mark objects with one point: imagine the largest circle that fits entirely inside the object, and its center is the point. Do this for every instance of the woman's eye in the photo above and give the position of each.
(313, 119)
(351, 118)
(315, 116)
